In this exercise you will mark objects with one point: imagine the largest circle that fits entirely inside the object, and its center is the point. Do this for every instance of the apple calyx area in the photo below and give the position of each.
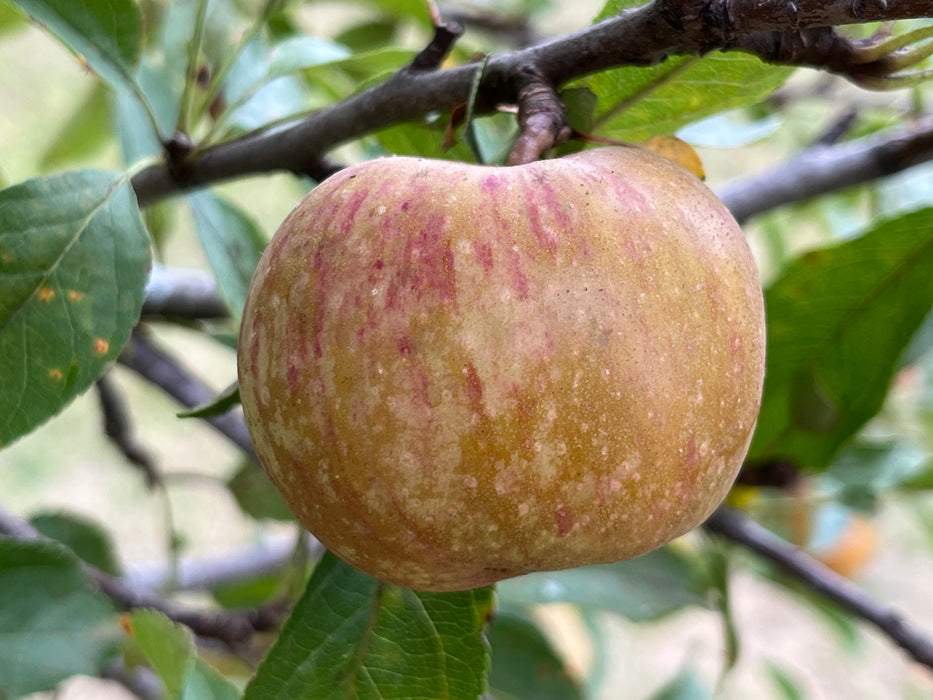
(456, 374)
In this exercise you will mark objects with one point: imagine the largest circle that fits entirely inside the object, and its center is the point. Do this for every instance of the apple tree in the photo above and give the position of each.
(149, 150)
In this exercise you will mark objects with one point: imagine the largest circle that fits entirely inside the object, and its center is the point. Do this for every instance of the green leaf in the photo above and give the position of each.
(368, 35)
(107, 33)
(84, 133)
(74, 256)
(256, 495)
(786, 686)
(470, 132)
(219, 405)
(11, 19)
(138, 139)
(300, 52)
(406, 9)
(170, 650)
(838, 320)
(362, 68)
(493, 136)
(82, 536)
(160, 78)
(424, 140)
(645, 588)
(249, 593)
(614, 7)
(204, 683)
(580, 104)
(233, 243)
(167, 646)
(635, 103)
(259, 88)
(351, 635)
(52, 623)
(716, 559)
(863, 470)
(922, 480)
(687, 685)
(841, 622)
(524, 663)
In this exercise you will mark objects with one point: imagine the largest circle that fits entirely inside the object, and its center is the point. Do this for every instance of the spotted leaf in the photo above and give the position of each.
(74, 256)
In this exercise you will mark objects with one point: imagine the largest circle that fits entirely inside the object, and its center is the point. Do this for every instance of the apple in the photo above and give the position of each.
(456, 374)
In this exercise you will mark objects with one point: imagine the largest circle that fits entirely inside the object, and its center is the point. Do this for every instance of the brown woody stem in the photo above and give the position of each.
(541, 117)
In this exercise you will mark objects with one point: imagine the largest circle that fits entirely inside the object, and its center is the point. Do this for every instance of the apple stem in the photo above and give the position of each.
(542, 117)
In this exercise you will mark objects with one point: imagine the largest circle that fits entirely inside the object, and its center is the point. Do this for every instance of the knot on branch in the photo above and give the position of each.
(880, 63)
(542, 117)
(177, 151)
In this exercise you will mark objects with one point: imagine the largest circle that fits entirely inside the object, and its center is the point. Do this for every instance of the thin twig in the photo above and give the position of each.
(140, 680)
(118, 427)
(838, 128)
(156, 366)
(432, 55)
(234, 627)
(745, 531)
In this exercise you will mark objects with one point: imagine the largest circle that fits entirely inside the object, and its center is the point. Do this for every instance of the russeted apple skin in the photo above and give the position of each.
(456, 374)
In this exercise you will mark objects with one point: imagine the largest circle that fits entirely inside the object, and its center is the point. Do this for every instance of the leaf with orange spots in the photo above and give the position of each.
(74, 256)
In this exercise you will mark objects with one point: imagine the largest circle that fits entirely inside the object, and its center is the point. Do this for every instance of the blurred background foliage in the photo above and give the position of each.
(848, 404)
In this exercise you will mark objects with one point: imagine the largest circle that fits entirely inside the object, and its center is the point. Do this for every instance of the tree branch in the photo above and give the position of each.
(118, 427)
(827, 168)
(743, 16)
(432, 55)
(749, 534)
(152, 364)
(229, 626)
(249, 562)
(186, 294)
(644, 36)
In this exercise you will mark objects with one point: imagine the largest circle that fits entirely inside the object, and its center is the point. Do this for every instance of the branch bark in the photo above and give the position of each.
(233, 627)
(192, 294)
(249, 562)
(827, 168)
(185, 294)
(143, 357)
(751, 535)
(118, 427)
(643, 36)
